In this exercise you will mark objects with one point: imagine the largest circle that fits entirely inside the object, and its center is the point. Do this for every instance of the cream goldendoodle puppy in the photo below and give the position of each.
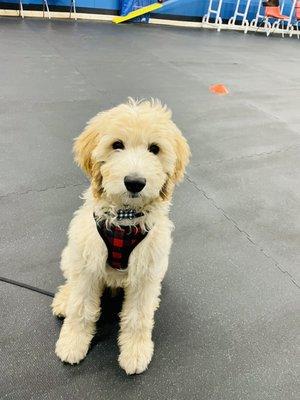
(133, 154)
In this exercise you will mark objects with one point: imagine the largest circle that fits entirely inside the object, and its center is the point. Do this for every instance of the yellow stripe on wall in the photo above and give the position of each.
(137, 13)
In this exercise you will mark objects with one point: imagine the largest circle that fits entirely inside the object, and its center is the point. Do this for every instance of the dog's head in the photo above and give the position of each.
(133, 153)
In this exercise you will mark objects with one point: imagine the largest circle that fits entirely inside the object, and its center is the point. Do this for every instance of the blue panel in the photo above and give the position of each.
(189, 8)
(100, 4)
(196, 8)
(186, 7)
(79, 3)
(107, 4)
(35, 2)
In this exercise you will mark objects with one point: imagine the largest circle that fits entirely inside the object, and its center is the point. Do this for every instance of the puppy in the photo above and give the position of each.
(134, 155)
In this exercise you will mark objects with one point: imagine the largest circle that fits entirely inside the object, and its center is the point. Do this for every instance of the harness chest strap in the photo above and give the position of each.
(120, 242)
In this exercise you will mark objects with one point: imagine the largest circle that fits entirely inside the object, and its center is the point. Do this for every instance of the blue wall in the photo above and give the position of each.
(103, 4)
(185, 8)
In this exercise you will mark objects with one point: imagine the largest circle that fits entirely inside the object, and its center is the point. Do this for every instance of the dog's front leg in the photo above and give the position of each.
(137, 320)
(82, 312)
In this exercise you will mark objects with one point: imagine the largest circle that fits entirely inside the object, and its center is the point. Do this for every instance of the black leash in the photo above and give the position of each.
(25, 286)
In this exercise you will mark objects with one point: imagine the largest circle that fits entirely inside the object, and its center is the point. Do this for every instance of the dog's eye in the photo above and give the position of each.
(153, 148)
(118, 145)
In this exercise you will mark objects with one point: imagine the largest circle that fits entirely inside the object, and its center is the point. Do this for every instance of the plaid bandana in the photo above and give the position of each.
(120, 242)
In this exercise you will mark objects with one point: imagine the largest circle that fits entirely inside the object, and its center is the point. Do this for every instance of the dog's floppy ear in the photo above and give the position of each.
(183, 153)
(83, 147)
(182, 157)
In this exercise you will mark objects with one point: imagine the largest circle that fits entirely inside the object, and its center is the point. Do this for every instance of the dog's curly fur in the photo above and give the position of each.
(138, 124)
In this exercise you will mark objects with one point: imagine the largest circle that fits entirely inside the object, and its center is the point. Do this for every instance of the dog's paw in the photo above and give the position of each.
(136, 356)
(59, 303)
(58, 308)
(72, 348)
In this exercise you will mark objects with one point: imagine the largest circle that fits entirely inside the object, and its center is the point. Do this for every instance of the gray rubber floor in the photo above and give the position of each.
(229, 317)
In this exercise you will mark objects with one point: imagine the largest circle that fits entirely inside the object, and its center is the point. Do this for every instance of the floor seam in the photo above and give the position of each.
(265, 153)
(269, 114)
(244, 233)
(41, 190)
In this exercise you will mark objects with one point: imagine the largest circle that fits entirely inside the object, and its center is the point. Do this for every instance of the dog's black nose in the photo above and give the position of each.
(134, 184)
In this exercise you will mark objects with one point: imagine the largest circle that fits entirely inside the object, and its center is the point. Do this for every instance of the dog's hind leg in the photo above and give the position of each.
(60, 301)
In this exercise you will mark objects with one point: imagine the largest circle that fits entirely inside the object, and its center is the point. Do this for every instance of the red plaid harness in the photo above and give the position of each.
(120, 242)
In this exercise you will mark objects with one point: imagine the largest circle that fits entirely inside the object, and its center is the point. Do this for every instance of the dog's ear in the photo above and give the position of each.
(182, 157)
(83, 147)
(183, 153)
